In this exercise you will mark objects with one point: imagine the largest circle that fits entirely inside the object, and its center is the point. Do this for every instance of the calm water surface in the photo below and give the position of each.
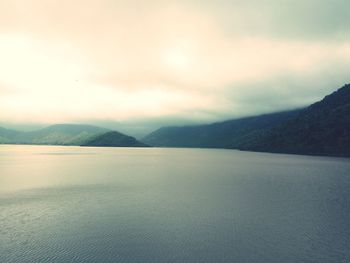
(72, 204)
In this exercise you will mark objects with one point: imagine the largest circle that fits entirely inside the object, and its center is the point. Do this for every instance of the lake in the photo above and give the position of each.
(74, 204)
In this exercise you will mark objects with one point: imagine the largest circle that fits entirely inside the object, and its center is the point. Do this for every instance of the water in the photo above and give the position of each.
(72, 204)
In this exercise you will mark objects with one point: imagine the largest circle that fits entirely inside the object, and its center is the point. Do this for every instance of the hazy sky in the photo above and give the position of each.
(157, 62)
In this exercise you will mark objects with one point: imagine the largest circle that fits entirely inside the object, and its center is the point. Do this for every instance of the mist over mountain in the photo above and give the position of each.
(323, 128)
(7, 135)
(68, 134)
(225, 134)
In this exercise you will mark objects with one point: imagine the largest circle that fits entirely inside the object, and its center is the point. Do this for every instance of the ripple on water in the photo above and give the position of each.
(222, 206)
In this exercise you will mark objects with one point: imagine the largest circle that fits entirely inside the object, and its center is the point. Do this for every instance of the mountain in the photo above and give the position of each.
(113, 139)
(59, 134)
(323, 128)
(69, 134)
(7, 135)
(227, 134)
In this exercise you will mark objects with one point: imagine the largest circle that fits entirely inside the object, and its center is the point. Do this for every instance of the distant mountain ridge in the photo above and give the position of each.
(323, 128)
(6, 135)
(68, 134)
(226, 134)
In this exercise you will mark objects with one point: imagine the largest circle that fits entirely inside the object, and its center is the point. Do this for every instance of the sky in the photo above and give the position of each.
(138, 65)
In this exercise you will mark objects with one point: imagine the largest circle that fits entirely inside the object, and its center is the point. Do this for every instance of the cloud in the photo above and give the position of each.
(71, 61)
(311, 19)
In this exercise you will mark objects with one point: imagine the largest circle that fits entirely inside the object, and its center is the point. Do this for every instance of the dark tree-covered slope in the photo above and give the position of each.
(322, 128)
(113, 139)
(227, 134)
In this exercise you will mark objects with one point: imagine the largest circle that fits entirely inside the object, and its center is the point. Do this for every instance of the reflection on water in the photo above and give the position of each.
(72, 204)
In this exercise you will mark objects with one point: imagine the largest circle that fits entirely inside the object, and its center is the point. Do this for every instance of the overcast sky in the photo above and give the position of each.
(141, 64)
